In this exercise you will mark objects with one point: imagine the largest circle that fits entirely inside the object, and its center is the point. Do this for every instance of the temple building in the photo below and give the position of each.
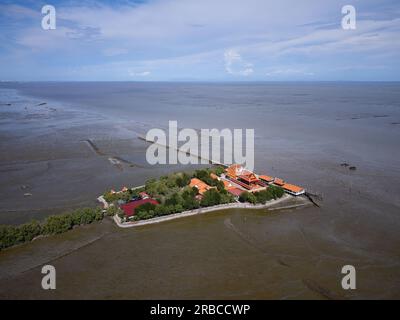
(289, 188)
(245, 178)
(293, 190)
(279, 182)
(266, 179)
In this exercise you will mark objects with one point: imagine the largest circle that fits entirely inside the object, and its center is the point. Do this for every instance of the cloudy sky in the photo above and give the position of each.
(200, 40)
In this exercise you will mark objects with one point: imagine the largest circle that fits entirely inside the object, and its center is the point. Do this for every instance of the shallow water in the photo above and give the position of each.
(303, 133)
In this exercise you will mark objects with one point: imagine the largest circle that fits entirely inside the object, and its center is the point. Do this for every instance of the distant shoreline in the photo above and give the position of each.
(236, 205)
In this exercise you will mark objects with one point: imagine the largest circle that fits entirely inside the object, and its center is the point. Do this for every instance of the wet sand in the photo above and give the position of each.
(62, 158)
(280, 254)
(223, 255)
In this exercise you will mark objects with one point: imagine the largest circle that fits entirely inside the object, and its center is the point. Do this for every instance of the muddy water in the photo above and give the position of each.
(303, 134)
(233, 254)
(224, 255)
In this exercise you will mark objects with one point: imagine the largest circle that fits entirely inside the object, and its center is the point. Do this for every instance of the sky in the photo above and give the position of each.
(200, 40)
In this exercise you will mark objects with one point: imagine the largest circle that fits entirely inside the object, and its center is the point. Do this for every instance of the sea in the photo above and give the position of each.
(307, 133)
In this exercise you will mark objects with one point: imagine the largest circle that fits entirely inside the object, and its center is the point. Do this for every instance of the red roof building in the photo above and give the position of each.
(236, 192)
(200, 185)
(234, 170)
(293, 189)
(243, 177)
(248, 177)
(267, 179)
(129, 208)
(279, 182)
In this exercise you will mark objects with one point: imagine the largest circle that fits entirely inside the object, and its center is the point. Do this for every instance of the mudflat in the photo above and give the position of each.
(59, 153)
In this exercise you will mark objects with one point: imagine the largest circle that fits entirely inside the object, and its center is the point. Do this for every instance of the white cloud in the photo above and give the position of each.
(190, 38)
(139, 74)
(370, 35)
(235, 65)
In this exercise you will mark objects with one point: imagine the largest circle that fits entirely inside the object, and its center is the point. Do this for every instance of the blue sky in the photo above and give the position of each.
(200, 40)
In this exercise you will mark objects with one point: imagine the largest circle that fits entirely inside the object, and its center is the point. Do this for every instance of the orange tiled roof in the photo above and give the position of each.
(249, 176)
(228, 185)
(292, 187)
(236, 170)
(266, 178)
(233, 170)
(235, 192)
(200, 185)
(279, 182)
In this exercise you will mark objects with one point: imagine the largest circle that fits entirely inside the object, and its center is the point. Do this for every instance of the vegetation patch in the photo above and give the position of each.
(12, 235)
(174, 194)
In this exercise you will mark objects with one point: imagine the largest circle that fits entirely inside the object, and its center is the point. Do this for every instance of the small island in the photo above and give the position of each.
(182, 194)
(172, 196)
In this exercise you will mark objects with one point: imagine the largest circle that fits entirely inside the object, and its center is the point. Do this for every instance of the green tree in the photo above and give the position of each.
(247, 197)
(145, 207)
(110, 197)
(218, 170)
(178, 208)
(185, 179)
(210, 198)
(189, 201)
(174, 199)
(151, 186)
(57, 224)
(219, 184)
(204, 175)
(8, 236)
(263, 196)
(277, 192)
(28, 231)
(113, 210)
(226, 197)
(159, 210)
(12, 235)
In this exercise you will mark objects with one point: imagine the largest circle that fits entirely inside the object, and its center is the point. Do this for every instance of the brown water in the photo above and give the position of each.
(303, 134)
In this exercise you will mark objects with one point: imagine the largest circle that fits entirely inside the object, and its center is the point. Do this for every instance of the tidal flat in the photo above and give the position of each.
(303, 134)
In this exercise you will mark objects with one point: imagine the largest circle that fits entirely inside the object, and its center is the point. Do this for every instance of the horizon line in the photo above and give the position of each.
(204, 81)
